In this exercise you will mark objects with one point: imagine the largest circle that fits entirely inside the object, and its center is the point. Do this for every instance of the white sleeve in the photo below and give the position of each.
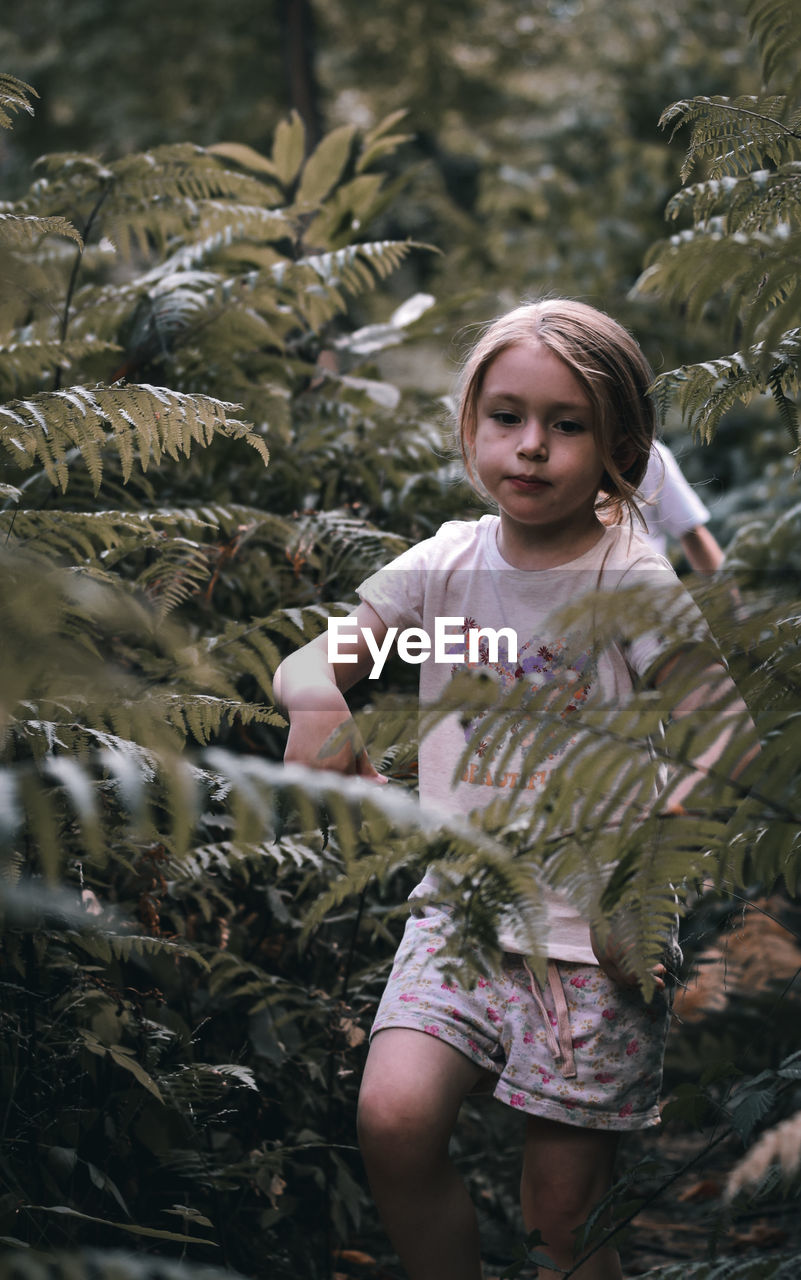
(679, 616)
(671, 504)
(397, 592)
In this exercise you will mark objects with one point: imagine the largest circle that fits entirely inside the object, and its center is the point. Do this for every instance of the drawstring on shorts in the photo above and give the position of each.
(560, 1042)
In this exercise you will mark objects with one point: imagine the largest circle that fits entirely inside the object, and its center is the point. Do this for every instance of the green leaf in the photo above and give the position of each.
(124, 1058)
(131, 1227)
(289, 147)
(325, 166)
(245, 156)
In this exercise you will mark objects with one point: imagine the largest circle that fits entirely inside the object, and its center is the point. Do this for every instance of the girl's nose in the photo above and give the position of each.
(532, 441)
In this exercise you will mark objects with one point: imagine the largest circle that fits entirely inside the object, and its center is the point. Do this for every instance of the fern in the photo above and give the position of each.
(775, 26)
(29, 361)
(150, 421)
(707, 391)
(782, 1267)
(733, 135)
(21, 231)
(743, 248)
(761, 199)
(15, 96)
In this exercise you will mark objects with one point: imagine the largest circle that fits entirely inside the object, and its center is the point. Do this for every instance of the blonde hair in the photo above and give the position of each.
(611, 368)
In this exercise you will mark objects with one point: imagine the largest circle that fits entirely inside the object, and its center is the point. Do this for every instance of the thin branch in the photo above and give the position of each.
(76, 266)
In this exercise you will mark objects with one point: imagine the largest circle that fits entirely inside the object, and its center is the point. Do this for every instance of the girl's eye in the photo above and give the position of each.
(505, 417)
(568, 427)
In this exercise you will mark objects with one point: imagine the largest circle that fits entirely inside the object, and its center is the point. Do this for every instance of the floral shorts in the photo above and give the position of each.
(581, 1050)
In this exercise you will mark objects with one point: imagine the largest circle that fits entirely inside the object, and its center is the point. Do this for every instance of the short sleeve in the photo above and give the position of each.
(678, 619)
(671, 504)
(397, 591)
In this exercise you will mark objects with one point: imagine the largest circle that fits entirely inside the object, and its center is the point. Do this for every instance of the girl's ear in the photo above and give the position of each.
(625, 455)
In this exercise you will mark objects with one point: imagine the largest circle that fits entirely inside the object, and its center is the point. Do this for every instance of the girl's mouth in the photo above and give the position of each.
(529, 483)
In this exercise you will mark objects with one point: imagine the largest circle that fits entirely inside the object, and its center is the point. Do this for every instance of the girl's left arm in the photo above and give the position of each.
(705, 688)
(700, 686)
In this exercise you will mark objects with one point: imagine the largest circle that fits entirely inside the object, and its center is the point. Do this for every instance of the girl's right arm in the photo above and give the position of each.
(312, 690)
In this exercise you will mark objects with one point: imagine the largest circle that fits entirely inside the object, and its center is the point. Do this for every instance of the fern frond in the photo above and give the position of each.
(708, 390)
(152, 421)
(172, 172)
(249, 647)
(321, 282)
(87, 536)
(202, 715)
(762, 199)
(733, 135)
(180, 573)
(29, 361)
(784, 1266)
(757, 273)
(780, 1146)
(155, 196)
(359, 266)
(202, 1084)
(231, 857)
(118, 946)
(15, 96)
(776, 27)
(217, 226)
(22, 231)
(787, 408)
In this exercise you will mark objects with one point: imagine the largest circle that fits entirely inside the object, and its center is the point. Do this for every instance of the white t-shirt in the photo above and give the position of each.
(667, 500)
(460, 575)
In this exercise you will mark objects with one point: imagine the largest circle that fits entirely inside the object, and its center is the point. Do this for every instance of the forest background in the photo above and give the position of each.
(235, 296)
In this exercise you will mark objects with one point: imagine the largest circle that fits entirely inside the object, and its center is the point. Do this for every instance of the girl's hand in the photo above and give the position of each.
(325, 737)
(612, 958)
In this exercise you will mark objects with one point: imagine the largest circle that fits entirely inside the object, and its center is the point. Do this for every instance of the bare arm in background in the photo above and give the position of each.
(702, 549)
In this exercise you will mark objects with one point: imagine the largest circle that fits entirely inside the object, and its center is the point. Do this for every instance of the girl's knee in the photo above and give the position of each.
(565, 1175)
(385, 1113)
(394, 1126)
(561, 1204)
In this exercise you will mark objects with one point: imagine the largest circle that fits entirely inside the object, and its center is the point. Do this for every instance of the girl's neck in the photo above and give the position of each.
(526, 548)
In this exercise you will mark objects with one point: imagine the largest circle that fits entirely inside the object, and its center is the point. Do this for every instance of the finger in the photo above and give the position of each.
(366, 769)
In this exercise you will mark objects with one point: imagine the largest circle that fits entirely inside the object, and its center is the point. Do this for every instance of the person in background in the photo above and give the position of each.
(671, 508)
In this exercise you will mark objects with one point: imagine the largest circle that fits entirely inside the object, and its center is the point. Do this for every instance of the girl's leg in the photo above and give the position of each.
(412, 1089)
(566, 1171)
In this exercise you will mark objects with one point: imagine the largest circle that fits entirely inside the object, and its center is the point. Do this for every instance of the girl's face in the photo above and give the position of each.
(537, 455)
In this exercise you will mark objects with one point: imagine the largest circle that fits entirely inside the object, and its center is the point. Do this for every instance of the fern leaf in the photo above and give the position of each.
(733, 135)
(708, 390)
(15, 96)
(153, 419)
(350, 270)
(762, 199)
(24, 231)
(229, 858)
(203, 715)
(107, 946)
(776, 26)
(28, 362)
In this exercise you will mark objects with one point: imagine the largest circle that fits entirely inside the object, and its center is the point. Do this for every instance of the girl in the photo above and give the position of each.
(555, 425)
